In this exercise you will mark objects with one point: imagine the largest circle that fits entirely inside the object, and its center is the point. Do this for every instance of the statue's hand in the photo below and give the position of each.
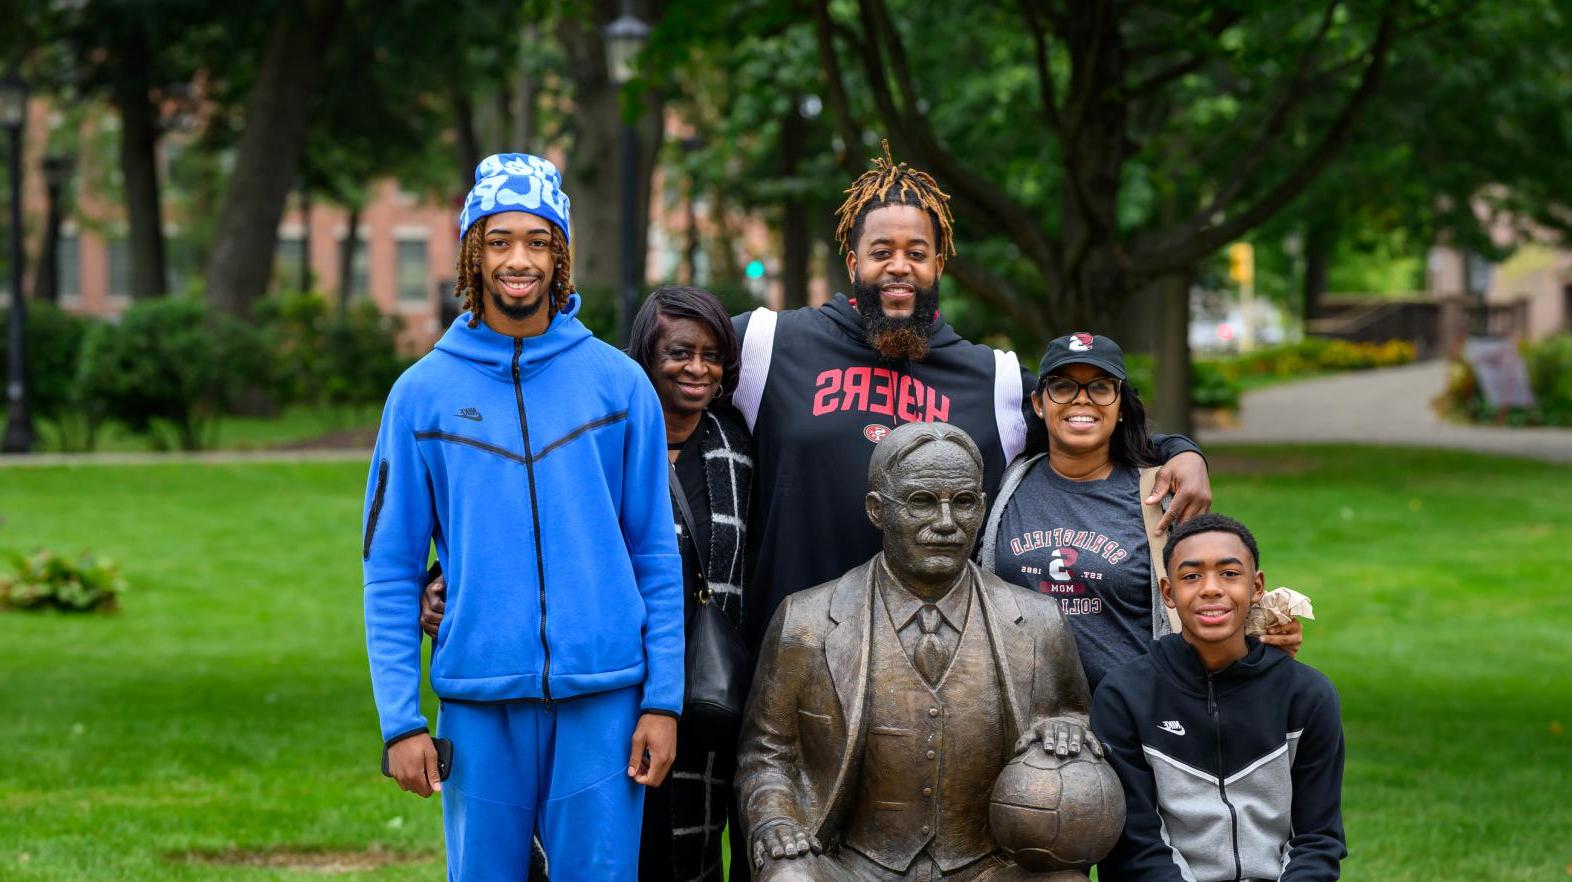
(783, 839)
(1061, 736)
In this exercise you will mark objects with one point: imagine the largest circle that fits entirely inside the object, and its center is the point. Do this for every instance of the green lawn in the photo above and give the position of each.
(227, 707)
(293, 426)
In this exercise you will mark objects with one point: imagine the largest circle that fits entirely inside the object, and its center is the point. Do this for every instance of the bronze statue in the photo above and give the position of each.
(888, 702)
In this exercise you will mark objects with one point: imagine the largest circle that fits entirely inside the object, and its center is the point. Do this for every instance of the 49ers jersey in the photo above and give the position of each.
(818, 397)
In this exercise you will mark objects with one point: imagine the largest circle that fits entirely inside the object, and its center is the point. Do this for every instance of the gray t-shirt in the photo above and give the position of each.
(1083, 542)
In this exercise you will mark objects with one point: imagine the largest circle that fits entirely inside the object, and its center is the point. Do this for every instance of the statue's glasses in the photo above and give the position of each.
(1063, 390)
(925, 504)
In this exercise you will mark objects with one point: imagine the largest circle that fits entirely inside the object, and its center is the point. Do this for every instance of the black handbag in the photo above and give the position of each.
(718, 664)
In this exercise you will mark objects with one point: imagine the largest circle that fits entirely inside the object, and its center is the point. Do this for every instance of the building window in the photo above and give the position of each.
(119, 267)
(411, 266)
(359, 270)
(180, 264)
(291, 257)
(68, 266)
(1479, 272)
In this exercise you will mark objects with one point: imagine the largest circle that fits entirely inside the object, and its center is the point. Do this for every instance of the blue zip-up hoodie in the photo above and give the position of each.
(538, 466)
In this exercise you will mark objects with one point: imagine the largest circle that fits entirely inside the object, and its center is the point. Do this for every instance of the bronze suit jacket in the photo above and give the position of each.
(804, 730)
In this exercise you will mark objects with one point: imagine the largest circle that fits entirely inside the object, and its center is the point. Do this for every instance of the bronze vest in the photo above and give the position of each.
(932, 754)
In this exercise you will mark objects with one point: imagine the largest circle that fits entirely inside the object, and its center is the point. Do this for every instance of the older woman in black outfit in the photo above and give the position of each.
(684, 339)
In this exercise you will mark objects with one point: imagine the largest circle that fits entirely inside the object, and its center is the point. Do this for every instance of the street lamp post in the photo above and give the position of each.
(19, 425)
(57, 173)
(624, 38)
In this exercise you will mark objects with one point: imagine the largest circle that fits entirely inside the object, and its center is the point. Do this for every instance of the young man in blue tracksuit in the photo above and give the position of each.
(1230, 751)
(534, 456)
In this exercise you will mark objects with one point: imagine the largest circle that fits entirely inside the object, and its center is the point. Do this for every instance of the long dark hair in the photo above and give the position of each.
(685, 302)
(1131, 443)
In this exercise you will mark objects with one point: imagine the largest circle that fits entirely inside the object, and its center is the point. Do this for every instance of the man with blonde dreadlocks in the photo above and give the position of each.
(534, 456)
(820, 386)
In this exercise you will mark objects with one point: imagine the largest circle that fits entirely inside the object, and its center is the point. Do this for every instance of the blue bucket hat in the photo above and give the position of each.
(516, 182)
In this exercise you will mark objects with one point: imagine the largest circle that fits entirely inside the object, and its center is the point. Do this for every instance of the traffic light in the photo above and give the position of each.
(1241, 263)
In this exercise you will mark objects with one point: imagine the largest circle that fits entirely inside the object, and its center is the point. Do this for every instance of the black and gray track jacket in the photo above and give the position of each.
(1236, 775)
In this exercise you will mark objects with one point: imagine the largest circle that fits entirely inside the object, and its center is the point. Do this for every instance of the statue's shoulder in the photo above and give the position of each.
(807, 616)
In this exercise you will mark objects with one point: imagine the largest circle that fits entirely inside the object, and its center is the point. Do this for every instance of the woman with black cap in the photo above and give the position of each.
(1073, 522)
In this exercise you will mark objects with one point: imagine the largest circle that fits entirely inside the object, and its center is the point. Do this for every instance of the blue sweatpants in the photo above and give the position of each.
(560, 768)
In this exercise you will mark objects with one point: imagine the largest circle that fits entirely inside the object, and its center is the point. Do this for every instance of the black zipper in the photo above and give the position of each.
(1222, 790)
(376, 509)
(534, 514)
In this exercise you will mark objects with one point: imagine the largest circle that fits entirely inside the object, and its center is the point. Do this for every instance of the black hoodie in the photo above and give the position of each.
(817, 397)
(1230, 775)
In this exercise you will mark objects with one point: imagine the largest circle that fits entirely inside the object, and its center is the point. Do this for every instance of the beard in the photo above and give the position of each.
(516, 311)
(897, 338)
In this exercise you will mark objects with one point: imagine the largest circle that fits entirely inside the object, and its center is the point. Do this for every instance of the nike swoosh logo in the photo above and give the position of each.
(1170, 726)
(471, 415)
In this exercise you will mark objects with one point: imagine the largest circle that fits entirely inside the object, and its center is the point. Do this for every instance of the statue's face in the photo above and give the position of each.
(930, 512)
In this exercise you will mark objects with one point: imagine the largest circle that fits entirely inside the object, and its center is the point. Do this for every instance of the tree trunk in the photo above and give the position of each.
(524, 111)
(590, 175)
(1171, 412)
(1094, 273)
(346, 259)
(796, 241)
(139, 163)
(305, 240)
(268, 158)
(467, 142)
(1320, 240)
(46, 280)
(690, 246)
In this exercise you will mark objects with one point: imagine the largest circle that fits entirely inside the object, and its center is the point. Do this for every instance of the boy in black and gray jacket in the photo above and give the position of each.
(1230, 752)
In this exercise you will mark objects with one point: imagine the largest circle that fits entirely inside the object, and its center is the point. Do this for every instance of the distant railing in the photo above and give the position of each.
(1435, 325)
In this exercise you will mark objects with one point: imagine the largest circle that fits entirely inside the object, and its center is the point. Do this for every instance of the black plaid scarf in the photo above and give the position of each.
(700, 781)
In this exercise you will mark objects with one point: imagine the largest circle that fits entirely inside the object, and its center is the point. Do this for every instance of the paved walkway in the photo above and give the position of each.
(1387, 406)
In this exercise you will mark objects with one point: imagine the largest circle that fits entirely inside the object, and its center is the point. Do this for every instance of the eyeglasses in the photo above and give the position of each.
(1063, 390)
(925, 504)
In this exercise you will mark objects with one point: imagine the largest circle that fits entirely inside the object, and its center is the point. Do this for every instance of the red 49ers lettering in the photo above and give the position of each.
(879, 390)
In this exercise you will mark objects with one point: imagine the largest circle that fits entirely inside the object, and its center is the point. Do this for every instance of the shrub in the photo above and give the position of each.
(171, 362)
(1549, 364)
(54, 340)
(45, 579)
(1315, 355)
(1549, 367)
(1209, 387)
(321, 357)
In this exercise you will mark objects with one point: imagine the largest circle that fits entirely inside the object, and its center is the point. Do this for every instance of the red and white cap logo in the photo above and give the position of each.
(1080, 342)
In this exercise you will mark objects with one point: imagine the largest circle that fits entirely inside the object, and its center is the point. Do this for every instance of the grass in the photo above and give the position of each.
(294, 425)
(227, 707)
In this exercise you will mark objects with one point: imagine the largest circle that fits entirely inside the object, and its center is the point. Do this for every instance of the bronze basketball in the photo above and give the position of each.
(1056, 814)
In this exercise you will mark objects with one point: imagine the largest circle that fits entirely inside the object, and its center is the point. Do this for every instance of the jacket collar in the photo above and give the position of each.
(903, 604)
(492, 353)
(1176, 659)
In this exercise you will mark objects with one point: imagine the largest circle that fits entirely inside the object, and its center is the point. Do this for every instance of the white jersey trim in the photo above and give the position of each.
(1007, 403)
(758, 347)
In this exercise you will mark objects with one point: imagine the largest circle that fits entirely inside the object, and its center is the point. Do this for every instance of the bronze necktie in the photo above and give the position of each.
(929, 656)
